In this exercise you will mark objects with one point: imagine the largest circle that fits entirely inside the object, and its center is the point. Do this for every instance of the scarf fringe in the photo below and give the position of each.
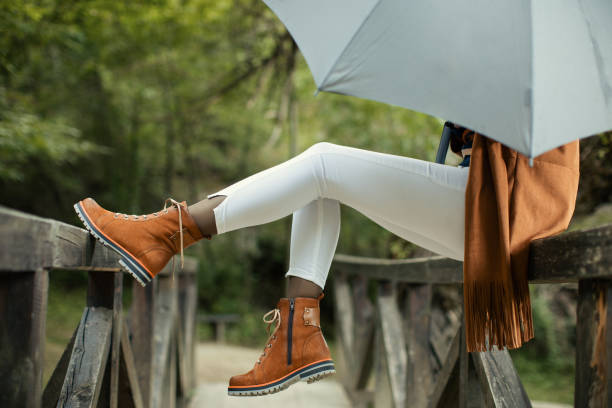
(497, 314)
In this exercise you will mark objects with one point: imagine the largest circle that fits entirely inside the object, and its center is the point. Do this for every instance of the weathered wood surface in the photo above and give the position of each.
(567, 257)
(394, 343)
(54, 385)
(571, 256)
(364, 330)
(449, 368)
(129, 388)
(23, 304)
(164, 317)
(436, 269)
(85, 372)
(499, 380)
(98, 367)
(592, 370)
(344, 311)
(34, 242)
(141, 328)
(419, 378)
(116, 339)
(187, 311)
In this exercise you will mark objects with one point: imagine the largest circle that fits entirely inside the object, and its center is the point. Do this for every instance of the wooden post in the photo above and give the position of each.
(90, 355)
(344, 316)
(363, 332)
(419, 377)
(591, 388)
(491, 366)
(164, 315)
(141, 327)
(23, 302)
(446, 387)
(54, 385)
(394, 343)
(129, 388)
(116, 338)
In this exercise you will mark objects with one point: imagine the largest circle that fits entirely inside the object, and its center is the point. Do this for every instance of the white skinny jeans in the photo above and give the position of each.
(420, 201)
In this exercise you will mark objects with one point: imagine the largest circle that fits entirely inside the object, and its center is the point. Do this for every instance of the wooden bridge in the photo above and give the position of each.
(146, 362)
(401, 354)
(396, 348)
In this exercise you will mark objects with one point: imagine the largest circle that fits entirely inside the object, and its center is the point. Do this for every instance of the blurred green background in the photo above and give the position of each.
(133, 102)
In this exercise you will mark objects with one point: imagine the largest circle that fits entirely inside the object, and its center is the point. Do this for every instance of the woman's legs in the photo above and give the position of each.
(420, 201)
(315, 229)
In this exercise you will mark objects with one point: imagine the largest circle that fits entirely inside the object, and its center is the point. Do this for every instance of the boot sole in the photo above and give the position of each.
(310, 373)
(128, 262)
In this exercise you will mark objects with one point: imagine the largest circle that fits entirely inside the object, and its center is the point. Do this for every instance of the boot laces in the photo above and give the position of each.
(174, 203)
(275, 320)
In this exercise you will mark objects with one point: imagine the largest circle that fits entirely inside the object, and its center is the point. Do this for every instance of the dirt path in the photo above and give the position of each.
(217, 363)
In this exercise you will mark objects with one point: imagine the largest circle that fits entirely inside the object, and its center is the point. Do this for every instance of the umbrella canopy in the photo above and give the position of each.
(532, 75)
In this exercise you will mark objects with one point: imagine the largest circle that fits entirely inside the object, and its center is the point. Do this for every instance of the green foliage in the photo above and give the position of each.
(26, 140)
(132, 102)
(546, 363)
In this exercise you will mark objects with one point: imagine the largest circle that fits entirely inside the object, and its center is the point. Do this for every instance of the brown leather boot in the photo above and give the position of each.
(145, 243)
(295, 351)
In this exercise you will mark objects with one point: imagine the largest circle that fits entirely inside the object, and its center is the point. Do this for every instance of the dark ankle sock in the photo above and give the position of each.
(298, 287)
(203, 215)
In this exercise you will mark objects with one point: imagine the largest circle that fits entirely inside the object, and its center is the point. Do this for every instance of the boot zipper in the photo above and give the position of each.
(290, 330)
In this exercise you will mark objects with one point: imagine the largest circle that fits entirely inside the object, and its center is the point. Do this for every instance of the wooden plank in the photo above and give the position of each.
(104, 394)
(344, 316)
(473, 391)
(450, 392)
(383, 395)
(116, 339)
(566, 257)
(141, 328)
(54, 385)
(186, 322)
(393, 341)
(419, 376)
(608, 335)
(463, 370)
(436, 269)
(363, 329)
(23, 301)
(28, 242)
(129, 387)
(183, 365)
(591, 359)
(88, 360)
(499, 381)
(164, 316)
(572, 256)
(446, 373)
(170, 381)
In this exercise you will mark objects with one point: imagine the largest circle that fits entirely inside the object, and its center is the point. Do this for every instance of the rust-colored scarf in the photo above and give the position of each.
(508, 204)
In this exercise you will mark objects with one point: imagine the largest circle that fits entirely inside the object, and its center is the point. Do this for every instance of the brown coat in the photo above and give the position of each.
(508, 204)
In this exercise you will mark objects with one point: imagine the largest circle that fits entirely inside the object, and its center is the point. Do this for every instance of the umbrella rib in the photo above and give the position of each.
(331, 68)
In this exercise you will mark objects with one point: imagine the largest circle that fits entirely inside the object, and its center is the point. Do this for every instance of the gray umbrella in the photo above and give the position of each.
(531, 74)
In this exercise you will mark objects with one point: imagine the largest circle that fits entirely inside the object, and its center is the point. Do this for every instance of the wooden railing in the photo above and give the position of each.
(143, 360)
(394, 338)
